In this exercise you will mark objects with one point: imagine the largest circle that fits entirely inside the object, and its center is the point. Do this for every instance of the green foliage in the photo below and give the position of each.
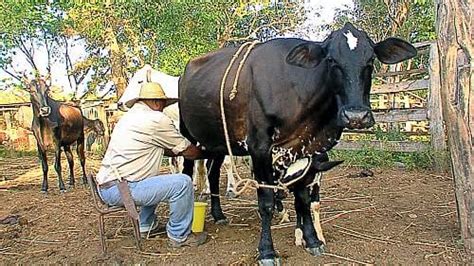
(24, 24)
(390, 135)
(167, 34)
(378, 19)
(9, 153)
(369, 157)
(13, 95)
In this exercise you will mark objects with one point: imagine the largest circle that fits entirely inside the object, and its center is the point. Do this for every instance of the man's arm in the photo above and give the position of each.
(175, 144)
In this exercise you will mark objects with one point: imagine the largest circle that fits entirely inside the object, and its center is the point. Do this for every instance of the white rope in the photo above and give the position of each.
(247, 182)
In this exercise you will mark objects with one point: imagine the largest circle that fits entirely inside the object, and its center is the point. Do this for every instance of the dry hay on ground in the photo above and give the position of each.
(395, 217)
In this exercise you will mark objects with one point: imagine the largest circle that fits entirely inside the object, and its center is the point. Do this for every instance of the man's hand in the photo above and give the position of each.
(194, 152)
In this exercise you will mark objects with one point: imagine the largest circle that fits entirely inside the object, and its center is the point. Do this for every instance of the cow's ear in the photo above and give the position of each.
(324, 166)
(394, 50)
(307, 55)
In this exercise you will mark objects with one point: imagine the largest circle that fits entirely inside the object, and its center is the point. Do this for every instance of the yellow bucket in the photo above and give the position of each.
(199, 217)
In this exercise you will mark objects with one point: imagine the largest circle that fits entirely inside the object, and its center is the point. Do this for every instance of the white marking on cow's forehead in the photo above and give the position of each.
(351, 40)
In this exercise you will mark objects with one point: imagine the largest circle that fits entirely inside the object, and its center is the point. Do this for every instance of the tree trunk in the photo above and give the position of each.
(117, 64)
(455, 42)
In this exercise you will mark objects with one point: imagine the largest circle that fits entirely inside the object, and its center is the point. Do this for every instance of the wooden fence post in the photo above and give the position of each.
(435, 113)
(456, 51)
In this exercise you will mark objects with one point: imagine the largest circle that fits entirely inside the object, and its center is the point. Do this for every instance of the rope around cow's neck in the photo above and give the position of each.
(247, 182)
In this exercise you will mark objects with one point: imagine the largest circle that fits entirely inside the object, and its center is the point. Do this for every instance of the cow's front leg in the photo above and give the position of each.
(266, 206)
(315, 208)
(302, 206)
(213, 176)
(299, 241)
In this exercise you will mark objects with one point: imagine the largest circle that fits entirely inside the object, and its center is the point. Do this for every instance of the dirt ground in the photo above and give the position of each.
(394, 217)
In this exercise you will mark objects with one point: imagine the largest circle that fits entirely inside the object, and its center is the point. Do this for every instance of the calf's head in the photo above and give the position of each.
(39, 97)
(349, 54)
(99, 127)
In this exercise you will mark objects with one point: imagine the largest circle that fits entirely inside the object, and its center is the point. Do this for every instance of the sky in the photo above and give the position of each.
(326, 9)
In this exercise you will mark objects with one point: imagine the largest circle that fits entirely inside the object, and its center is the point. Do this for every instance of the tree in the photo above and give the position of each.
(119, 37)
(407, 19)
(32, 29)
(456, 51)
(27, 27)
(167, 34)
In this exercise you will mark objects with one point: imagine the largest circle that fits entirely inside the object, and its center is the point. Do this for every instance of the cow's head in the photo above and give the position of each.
(349, 55)
(38, 90)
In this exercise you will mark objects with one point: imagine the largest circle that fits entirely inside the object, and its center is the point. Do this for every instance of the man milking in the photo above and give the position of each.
(139, 141)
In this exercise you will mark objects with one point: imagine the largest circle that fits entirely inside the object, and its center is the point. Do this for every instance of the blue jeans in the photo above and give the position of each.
(177, 189)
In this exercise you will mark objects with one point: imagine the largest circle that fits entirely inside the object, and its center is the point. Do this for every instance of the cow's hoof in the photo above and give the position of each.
(62, 190)
(316, 251)
(270, 262)
(230, 194)
(44, 192)
(299, 241)
(222, 221)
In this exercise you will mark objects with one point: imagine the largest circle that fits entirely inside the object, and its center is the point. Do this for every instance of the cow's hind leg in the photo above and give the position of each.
(302, 206)
(188, 167)
(57, 166)
(82, 158)
(213, 176)
(70, 161)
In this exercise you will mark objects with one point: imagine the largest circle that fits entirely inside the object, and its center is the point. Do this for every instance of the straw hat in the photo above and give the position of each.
(151, 90)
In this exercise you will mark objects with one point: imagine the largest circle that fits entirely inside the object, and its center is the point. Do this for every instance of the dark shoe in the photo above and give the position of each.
(193, 240)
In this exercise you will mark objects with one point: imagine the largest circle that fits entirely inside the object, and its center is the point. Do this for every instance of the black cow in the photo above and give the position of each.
(294, 97)
(58, 125)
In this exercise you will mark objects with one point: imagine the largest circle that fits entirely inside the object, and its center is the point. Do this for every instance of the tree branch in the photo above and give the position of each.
(11, 74)
(48, 52)
(29, 57)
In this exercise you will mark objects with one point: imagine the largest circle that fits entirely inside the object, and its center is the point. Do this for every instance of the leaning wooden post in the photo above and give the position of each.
(435, 114)
(456, 51)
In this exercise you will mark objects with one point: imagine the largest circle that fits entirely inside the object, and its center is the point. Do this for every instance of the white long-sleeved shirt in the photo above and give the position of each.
(137, 145)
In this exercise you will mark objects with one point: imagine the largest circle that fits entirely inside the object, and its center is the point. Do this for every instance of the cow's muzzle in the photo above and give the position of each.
(45, 111)
(356, 117)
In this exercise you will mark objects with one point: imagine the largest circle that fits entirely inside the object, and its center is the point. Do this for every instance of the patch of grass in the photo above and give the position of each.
(369, 157)
(10, 153)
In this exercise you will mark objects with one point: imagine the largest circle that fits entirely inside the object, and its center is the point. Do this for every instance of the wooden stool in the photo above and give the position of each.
(103, 209)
